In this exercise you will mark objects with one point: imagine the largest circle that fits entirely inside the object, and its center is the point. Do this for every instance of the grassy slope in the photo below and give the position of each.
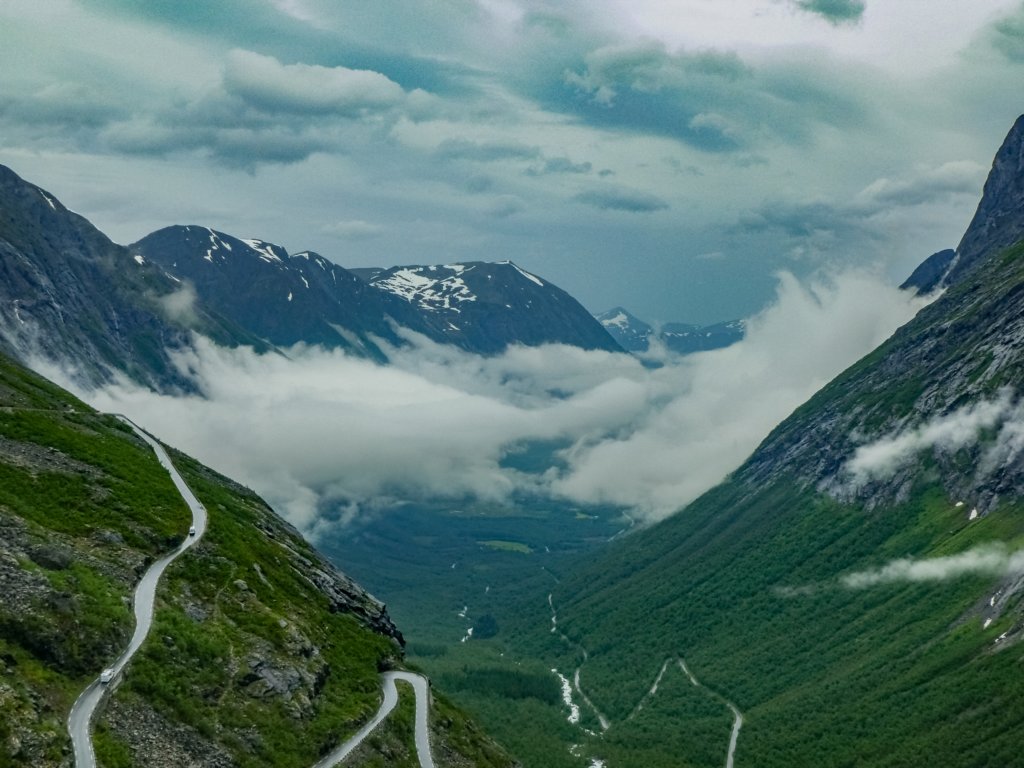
(203, 675)
(745, 584)
(84, 506)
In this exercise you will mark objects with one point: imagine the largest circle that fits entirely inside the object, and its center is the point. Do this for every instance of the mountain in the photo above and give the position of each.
(484, 307)
(999, 220)
(261, 654)
(282, 298)
(684, 339)
(634, 335)
(70, 296)
(631, 333)
(286, 299)
(854, 589)
(929, 273)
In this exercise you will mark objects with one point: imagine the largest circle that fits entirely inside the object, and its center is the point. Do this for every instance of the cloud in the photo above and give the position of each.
(264, 82)
(834, 11)
(717, 406)
(316, 432)
(486, 152)
(714, 101)
(180, 305)
(890, 206)
(354, 229)
(64, 105)
(1007, 37)
(925, 185)
(987, 560)
(882, 459)
(621, 199)
(561, 165)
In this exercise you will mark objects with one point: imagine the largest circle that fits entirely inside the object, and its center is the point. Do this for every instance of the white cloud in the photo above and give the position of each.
(715, 407)
(179, 306)
(318, 430)
(988, 560)
(354, 229)
(268, 84)
(924, 185)
(883, 458)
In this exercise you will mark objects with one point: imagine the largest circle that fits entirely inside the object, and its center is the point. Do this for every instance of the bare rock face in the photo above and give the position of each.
(157, 742)
(999, 220)
(966, 347)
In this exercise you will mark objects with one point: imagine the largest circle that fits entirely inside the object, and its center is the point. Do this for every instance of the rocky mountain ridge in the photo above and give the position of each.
(963, 349)
(635, 335)
(283, 298)
(484, 307)
(70, 295)
(858, 568)
(999, 219)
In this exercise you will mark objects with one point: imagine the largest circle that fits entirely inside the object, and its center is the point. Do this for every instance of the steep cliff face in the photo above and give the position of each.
(999, 220)
(71, 296)
(964, 349)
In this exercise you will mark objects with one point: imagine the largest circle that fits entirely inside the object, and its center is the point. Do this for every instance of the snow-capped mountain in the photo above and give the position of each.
(634, 335)
(484, 307)
(282, 298)
(71, 296)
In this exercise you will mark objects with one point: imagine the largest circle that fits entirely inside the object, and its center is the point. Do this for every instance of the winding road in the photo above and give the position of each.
(737, 722)
(422, 691)
(80, 719)
(84, 708)
(737, 716)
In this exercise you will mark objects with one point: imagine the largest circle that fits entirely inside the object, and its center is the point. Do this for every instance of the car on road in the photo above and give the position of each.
(192, 530)
(106, 676)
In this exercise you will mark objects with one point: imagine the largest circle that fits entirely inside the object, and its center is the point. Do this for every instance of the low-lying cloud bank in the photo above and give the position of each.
(987, 560)
(882, 459)
(318, 432)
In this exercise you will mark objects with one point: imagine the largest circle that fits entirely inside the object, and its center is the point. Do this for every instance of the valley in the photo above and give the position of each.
(317, 449)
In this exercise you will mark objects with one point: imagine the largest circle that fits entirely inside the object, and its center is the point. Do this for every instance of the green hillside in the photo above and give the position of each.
(746, 583)
(261, 653)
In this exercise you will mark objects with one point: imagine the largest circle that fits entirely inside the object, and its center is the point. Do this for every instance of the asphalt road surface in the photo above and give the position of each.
(80, 719)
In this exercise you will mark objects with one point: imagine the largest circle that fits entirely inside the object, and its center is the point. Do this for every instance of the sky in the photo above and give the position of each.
(669, 157)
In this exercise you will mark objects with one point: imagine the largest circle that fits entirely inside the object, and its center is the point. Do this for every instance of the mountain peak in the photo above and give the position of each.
(999, 220)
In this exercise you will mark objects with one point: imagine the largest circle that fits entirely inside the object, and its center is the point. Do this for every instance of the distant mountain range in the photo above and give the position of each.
(634, 335)
(71, 296)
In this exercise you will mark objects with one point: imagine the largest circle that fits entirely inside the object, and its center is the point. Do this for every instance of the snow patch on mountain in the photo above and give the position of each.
(524, 273)
(618, 321)
(434, 288)
(267, 251)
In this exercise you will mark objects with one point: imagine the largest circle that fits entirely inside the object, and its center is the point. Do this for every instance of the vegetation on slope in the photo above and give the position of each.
(748, 582)
(261, 653)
